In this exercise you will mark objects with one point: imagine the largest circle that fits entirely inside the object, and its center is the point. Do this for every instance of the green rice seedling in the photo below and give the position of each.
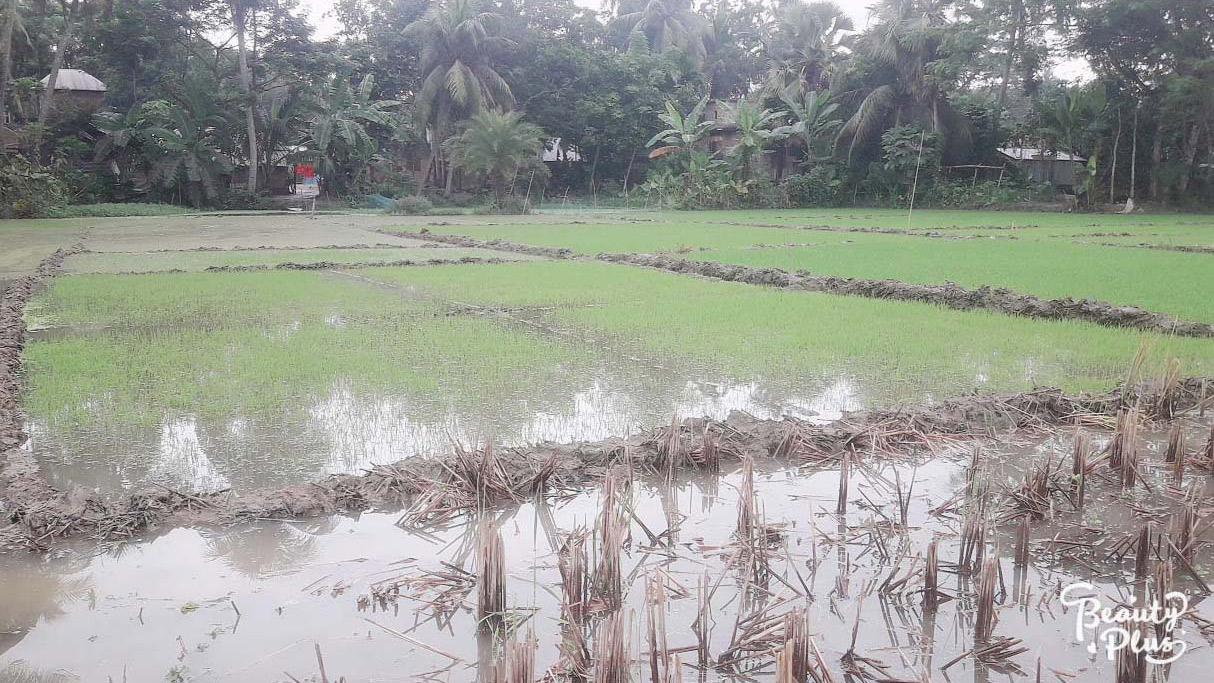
(1049, 270)
(692, 323)
(491, 576)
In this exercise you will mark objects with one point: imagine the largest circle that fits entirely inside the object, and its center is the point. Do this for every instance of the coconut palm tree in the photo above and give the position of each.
(10, 23)
(337, 129)
(459, 41)
(667, 24)
(497, 146)
(807, 41)
(178, 146)
(901, 86)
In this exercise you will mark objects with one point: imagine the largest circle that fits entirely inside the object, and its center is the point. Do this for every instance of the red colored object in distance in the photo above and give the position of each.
(305, 170)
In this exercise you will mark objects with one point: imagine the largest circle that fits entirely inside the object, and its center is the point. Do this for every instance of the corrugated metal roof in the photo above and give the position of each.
(75, 79)
(1038, 154)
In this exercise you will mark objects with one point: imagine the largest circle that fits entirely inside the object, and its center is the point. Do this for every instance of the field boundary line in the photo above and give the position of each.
(949, 295)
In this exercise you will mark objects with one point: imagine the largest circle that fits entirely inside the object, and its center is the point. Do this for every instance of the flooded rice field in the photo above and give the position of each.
(349, 432)
(703, 577)
(285, 448)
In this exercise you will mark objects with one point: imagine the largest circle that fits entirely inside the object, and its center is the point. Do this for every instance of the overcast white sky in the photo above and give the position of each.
(858, 9)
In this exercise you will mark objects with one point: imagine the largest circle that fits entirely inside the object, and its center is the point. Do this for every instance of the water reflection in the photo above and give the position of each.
(283, 586)
(349, 431)
(262, 549)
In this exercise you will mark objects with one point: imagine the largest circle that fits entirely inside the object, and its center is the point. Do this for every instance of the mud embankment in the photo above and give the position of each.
(1183, 248)
(950, 295)
(334, 265)
(436, 488)
(21, 481)
(937, 234)
(500, 245)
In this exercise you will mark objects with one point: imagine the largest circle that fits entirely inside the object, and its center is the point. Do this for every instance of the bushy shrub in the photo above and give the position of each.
(412, 205)
(966, 194)
(113, 210)
(241, 200)
(28, 189)
(819, 186)
(507, 205)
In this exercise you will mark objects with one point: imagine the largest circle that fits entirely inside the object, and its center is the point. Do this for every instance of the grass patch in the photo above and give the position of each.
(265, 343)
(898, 351)
(115, 210)
(1169, 282)
(943, 219)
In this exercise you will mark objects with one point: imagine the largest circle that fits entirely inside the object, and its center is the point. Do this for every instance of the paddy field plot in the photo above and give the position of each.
(723, 478)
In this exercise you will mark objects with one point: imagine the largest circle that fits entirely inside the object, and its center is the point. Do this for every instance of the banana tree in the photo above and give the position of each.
(682, 135)
(754, 126)
(813, 120)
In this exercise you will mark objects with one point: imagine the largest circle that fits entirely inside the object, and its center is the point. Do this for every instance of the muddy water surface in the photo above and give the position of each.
(347, 431)
(254, 602)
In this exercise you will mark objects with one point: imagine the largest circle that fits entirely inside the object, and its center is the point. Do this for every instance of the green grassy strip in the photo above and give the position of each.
(245, 363)
(1167, 282)
(899, 351)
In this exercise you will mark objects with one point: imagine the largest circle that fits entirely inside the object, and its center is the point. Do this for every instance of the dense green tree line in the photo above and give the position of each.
(204, 95)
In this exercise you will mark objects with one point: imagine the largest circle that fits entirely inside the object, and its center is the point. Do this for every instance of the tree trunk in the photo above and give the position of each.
(1134, 155)
(1190, 157)
(48, 95)
(6, 52)
(246, 83)
(1013, 49)
(1113, 166)
(1156, 159)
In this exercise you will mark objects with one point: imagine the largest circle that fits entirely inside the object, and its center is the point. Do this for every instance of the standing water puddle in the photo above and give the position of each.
(259, 602)
(348, 432)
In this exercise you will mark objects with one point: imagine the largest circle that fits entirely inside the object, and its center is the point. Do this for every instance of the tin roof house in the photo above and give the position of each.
(1045, 166)
(76, 92)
